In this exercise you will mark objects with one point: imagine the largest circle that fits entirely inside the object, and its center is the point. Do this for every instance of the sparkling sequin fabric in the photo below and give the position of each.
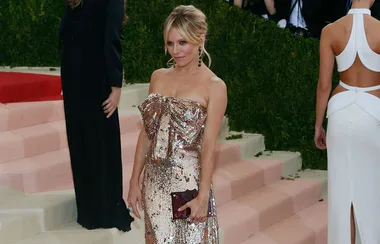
(175, 127)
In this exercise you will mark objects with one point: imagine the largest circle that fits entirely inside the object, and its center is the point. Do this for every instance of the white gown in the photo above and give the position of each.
(353, 147)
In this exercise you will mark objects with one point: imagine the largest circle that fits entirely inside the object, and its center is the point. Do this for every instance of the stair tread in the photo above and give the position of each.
(32, 113)
(40, 128)
(4, 116)
(258, 200)
(306, 226)
(60, 126)
(73, 233)
(29, 105)
(6, 192)
(241, 177)
(47, 159)
(17, 226)
(34, 202)
(255, 211)
(95, 237)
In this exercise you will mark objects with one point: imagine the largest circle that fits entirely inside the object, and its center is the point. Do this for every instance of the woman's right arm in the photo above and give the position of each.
(134, 194)
(326, 69)
(143, 141)
(142, 148)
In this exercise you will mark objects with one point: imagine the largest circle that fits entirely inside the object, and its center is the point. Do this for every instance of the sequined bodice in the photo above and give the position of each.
(172, 124)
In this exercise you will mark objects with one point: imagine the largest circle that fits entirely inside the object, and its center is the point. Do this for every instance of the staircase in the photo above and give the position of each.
(262, 197)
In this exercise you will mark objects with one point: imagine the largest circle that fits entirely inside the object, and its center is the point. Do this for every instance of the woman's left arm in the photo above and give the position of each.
(112, 44)
(63, 23)
(326, 68)
(215, 112)
(113, 54)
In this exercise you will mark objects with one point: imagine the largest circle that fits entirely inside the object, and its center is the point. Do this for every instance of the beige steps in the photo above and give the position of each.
(305, 227)
(19, 115)
(256, 211)
(52, 170)
(33, 140)
(79, 237)
(133, 95)
(22, 216)
(250, 144)
(320, 175)
(292, 160)
(239, 218)
(72, 233)
(18, 226)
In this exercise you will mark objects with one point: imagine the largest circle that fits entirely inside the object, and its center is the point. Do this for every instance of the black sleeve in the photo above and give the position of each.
(63, 24)
(112, 44)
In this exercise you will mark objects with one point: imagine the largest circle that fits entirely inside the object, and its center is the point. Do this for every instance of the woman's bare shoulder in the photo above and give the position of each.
(158, 78)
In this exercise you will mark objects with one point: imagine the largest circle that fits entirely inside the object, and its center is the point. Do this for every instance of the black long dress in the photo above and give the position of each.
(90, 66)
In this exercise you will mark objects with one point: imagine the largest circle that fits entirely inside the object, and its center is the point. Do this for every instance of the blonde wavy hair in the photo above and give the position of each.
(190, 23)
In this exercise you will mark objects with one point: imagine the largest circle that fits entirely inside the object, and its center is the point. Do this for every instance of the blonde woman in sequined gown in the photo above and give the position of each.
(182, 117)
(353, 133)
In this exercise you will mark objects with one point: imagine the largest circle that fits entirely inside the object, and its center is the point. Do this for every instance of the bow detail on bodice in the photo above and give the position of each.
(172, 123)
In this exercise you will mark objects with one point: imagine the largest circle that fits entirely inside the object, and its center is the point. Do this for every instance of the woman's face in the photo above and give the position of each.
(181, 50)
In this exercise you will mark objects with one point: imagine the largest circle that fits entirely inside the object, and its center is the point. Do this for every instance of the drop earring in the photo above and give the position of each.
(171, 62)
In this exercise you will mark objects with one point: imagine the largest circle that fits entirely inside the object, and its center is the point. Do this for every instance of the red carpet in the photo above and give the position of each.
(24, 87)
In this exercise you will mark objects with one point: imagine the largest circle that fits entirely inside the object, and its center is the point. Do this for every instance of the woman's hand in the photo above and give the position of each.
(134, 199)
(320, 138)
(199, 208)
(111, 104)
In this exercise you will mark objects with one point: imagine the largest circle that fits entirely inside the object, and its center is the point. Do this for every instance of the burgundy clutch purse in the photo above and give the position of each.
(181, 198)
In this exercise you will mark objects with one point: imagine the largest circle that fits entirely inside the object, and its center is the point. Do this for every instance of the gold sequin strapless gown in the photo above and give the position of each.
(175, 127)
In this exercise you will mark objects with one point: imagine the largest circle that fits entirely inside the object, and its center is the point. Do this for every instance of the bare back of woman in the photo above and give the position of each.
(358, 74)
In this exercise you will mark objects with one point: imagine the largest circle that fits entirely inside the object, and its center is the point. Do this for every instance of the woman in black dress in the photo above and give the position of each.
(91, 72)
